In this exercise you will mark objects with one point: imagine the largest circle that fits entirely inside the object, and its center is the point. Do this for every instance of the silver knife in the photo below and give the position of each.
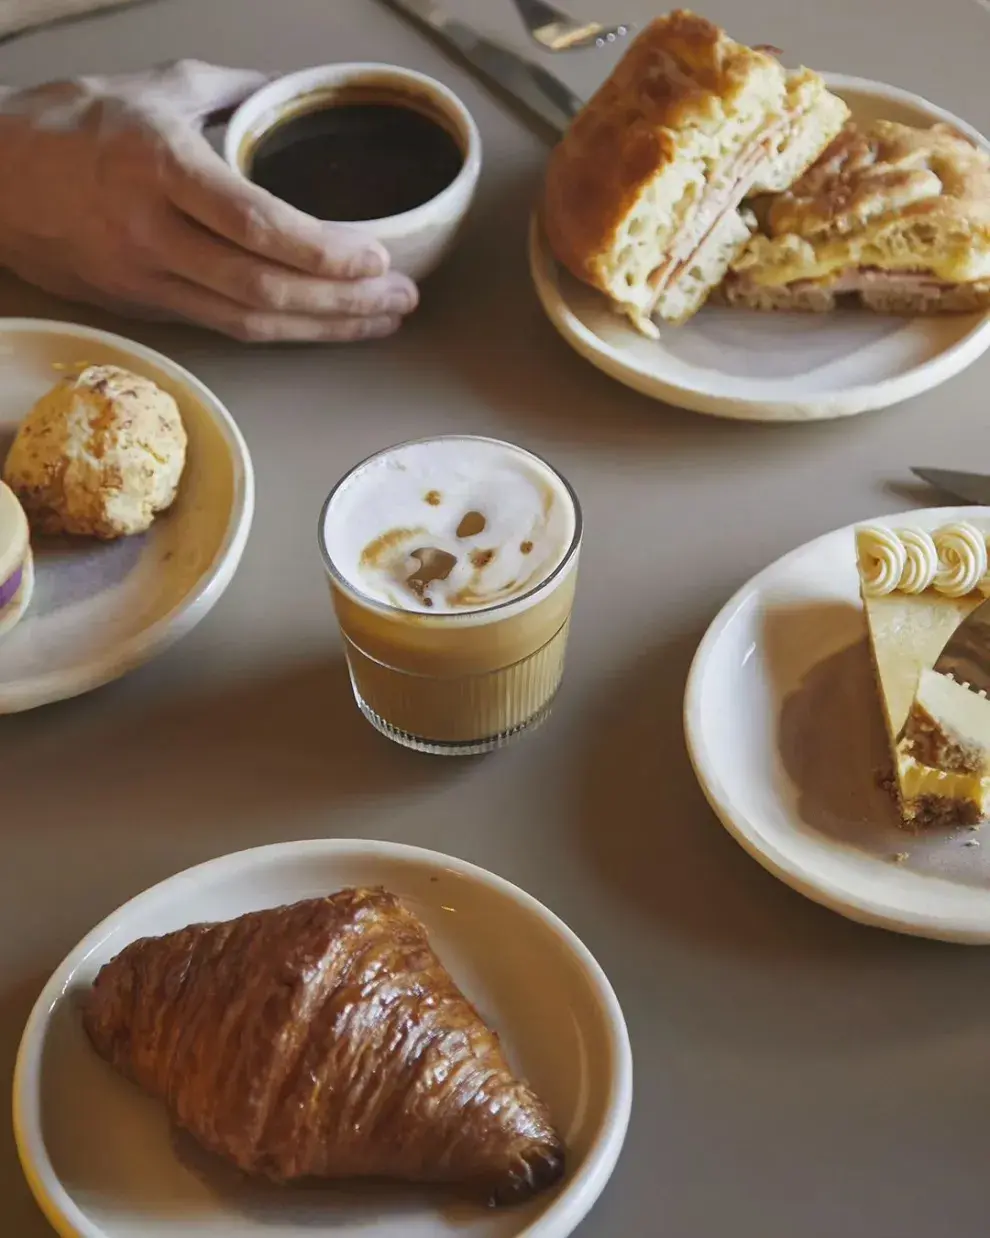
(533, 86)
(970, 487)
(966, 655)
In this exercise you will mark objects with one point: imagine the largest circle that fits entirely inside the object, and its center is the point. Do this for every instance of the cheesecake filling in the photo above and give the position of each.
(943, 754)
(918, 781)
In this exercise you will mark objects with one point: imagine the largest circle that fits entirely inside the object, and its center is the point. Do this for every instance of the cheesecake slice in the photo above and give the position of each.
(917, 587)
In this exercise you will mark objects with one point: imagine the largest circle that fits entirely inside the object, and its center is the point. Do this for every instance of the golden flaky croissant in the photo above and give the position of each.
(324, 1039)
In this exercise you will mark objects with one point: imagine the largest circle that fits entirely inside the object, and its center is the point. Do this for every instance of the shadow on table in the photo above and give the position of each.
(505, 349)
(664, 851)
(502, 346)
(741, 958)
(258, 751)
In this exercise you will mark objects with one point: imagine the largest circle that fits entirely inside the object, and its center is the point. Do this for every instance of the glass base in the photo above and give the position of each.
(451, 748)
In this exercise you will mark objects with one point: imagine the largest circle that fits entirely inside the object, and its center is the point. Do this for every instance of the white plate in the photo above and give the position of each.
(784, 728)
(773, 367)
(100, 1156)
(101, 609)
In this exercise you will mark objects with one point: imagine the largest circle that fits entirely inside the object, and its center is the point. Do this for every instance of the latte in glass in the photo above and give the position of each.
(452, 564)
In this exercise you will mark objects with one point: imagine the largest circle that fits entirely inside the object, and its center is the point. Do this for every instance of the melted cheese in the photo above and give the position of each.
(782, 260)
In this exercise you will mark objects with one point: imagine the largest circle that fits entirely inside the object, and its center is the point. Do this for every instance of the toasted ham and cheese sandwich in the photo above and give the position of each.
(643, 193)
(897, 216)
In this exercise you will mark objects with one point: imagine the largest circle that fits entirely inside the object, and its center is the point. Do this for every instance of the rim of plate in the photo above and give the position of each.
(848, 402)
(877, 912)
(562, 1216)
(212, 584)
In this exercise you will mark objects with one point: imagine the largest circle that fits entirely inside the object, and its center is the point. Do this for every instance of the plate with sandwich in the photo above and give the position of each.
(736, 238)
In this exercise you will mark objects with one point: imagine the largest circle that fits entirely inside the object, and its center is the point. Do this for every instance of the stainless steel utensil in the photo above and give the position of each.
(556, 32)
(970, 487)
(966, 656)
(542, 94)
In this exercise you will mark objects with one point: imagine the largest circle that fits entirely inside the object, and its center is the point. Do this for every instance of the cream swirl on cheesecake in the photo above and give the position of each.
(921, 560)
(882, 557)
(954, 560)
(962, 554)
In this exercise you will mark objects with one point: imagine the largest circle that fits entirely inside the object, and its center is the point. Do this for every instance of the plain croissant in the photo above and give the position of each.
(324, 1039)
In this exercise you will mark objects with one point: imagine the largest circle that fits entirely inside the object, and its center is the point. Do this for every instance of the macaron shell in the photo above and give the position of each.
(14, 532)
(12, 614)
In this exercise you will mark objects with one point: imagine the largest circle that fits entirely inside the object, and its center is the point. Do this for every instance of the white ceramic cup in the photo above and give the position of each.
(417, 240)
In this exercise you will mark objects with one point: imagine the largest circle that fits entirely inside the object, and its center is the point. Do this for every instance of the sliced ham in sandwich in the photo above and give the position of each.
(893, 216)
(643, 194)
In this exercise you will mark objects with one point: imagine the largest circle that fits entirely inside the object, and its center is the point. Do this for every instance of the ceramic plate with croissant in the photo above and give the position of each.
(361, 1036)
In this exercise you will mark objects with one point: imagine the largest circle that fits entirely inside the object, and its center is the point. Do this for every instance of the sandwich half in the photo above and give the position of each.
(894, 216)
(643, 193)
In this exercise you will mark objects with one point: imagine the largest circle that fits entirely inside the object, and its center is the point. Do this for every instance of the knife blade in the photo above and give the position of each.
(530, 84)
(970, 487)
(965, 656)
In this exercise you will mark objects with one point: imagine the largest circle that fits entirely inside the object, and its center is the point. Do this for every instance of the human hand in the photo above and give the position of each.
(111, 194)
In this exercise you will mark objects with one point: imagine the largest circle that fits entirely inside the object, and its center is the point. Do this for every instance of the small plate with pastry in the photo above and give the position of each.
(126, 499)
(363, 1038)
(835, 734)
(736, 238)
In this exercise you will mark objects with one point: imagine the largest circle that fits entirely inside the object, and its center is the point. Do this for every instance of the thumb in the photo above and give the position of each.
(198, 90)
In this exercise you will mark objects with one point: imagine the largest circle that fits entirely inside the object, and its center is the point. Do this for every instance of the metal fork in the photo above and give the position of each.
(556, 32)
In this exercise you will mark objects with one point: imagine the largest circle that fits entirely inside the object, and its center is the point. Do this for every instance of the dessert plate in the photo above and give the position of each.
(773, 367)
(101, 609)
(101, 1157)
(785, 733)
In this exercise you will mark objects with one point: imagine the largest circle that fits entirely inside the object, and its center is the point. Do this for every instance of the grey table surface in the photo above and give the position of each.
(797, 1076)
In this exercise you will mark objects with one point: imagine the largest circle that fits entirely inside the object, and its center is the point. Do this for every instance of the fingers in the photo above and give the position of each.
(203, 187)
(203, 259)
(198, 89)
(210, 309)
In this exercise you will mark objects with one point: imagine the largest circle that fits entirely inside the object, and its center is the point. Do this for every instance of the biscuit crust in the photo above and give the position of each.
(99, 456)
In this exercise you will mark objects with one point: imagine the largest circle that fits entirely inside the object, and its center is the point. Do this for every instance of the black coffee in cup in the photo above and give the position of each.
(350, 157)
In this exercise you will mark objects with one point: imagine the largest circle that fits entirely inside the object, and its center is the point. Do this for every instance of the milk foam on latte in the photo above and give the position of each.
(449, 525)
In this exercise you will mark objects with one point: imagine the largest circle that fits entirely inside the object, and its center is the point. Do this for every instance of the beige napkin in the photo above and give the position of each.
(20, 15)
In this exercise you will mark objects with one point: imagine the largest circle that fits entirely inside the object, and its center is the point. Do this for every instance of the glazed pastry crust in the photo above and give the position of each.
(324, 1039)
(101, 455)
